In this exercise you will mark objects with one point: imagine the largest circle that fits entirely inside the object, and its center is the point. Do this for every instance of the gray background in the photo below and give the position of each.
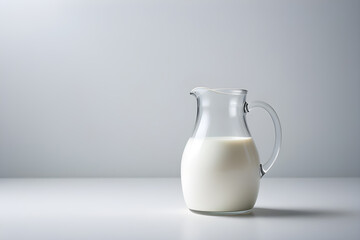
(100, 88)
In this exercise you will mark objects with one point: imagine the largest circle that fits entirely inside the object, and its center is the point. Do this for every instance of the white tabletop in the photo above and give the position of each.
(150, 208)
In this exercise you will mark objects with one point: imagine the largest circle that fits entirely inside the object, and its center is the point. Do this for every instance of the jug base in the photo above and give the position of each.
(219, 213)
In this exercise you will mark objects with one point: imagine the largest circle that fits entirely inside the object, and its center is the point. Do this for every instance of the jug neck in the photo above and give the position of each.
(226, 91)
(220, 113)
(220, 99)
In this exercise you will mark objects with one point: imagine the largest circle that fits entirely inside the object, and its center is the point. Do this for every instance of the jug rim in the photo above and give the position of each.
(227, 91)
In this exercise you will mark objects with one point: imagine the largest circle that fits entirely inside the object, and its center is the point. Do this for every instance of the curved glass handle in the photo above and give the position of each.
(264, 168)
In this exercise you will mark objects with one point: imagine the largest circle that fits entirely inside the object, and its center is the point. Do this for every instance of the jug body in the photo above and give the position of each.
(220, 167)
(220, 174)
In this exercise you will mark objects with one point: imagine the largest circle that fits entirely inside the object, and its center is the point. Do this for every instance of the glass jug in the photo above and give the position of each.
(220, 167)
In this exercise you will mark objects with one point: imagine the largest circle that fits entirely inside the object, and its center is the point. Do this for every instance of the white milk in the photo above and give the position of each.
(220, 174)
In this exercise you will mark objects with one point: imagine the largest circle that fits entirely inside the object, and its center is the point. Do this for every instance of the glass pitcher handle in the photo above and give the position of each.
(264, 168)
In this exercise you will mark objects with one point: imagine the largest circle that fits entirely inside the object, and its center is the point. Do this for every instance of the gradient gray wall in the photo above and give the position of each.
(101, 88)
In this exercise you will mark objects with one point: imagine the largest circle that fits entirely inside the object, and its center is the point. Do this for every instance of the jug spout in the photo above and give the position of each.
(198, 91)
